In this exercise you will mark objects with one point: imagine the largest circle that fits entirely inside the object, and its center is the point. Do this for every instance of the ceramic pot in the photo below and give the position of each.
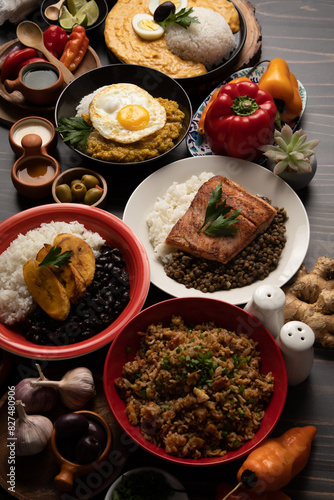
(297, 180)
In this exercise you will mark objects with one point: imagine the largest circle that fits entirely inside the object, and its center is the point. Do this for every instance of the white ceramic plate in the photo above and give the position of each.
(250, 176)
(172, 480)
(197, 143)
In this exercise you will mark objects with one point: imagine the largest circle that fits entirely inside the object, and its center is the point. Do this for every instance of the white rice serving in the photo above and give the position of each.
(15, 299)
(208, 42)
(167, 211)
(83, 106)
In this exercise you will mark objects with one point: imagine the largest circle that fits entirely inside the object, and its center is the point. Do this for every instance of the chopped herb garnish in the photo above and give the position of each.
(182, 18)
(55, 258)
(216, 221)
(75, 130)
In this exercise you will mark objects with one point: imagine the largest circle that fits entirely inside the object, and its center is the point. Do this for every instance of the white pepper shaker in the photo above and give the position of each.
(267, 305)
(296, 341)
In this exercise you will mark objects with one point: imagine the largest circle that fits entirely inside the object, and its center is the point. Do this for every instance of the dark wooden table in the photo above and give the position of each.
(302, 33)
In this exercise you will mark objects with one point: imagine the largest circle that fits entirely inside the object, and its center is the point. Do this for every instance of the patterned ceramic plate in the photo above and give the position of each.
(197, 143)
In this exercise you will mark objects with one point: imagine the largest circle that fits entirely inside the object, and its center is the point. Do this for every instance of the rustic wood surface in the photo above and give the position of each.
(302, 33)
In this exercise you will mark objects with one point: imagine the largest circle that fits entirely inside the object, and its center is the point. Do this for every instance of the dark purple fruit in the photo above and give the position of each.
(66, 448)
(163, 11)
(97, 431)
(87, 450)
(71, 425)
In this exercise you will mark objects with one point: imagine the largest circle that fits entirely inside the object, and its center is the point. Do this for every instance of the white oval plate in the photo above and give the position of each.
(197, 143)
(172, 480)
(252, 177)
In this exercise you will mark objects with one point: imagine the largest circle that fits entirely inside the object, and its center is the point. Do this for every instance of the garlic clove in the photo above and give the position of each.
(32, 432)
(36, 399)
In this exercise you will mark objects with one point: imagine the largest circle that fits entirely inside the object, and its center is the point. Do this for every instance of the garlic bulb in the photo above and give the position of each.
(36, 399)
(32, 432)
(75, 388)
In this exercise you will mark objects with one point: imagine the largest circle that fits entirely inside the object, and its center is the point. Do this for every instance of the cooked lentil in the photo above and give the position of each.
(148, 147)
(253, 263)
(196, 391)
(102, 303)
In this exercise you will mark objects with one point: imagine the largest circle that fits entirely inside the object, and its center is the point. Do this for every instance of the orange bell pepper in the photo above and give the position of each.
(282, 86)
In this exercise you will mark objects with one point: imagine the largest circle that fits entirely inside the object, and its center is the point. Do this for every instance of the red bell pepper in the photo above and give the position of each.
(32, 60)
(240, 120)
(55, 39)
(12, 62)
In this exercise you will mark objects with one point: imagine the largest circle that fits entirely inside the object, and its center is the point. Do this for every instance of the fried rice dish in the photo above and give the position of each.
(195, 391)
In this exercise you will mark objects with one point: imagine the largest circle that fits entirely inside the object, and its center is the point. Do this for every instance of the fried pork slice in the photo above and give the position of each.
(256, 215)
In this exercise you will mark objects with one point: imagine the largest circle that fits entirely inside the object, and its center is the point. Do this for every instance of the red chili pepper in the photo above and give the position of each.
(31, 60)
(13, 60)
(240, 120)
(55, 39)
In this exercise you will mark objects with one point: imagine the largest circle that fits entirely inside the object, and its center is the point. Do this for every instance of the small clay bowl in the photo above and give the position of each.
(39, 82)
(76, 173)
(32, 125)
(35, 171)
(69, 471)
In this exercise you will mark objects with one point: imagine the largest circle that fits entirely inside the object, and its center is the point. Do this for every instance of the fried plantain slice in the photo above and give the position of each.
(82, 256)
(68, 275)
(47, 290)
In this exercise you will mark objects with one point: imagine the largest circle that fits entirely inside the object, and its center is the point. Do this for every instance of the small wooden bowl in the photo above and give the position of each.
(71, 470)
(38, 184)
(76, 173)
(37, 125)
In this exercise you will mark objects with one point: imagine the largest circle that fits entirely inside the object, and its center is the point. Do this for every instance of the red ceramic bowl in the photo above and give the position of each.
(116, 233)
(196, 310)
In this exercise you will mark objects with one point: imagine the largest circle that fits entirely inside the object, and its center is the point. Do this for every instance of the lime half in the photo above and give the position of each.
(67, 21)
(92, 10)
(75, 5)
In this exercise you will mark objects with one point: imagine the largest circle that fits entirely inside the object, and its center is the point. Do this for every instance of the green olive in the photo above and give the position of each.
(63, 193)
(90, 181)
(75, 181)
(79, 191)
(92, 196)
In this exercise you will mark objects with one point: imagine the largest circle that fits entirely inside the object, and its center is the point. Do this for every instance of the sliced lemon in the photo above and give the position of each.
(67, 21)
(92, 10)
(75, 5)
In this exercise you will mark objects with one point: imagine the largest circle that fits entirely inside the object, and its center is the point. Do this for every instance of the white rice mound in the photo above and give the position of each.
(208, 42)
(15, 298)
(168, 210)
(83, 106)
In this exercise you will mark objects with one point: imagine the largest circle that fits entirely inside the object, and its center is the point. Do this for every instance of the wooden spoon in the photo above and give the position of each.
(52, 12)
(31, 35)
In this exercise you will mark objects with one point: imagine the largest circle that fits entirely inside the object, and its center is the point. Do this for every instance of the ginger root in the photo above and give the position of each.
(310, 299)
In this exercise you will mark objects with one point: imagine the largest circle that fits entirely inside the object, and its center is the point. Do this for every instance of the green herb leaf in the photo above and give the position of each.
(220, 224)
(76, 131)
(55, 258)
(182, 18)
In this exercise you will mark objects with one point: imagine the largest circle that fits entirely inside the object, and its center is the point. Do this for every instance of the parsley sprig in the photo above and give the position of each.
(216, 219)
(55, 258)
(182, 18)
(75, 130)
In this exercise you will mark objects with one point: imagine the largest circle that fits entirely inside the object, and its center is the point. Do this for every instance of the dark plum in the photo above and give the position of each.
(87, 450)
(71, 425)
(163, 11)
(97, 431)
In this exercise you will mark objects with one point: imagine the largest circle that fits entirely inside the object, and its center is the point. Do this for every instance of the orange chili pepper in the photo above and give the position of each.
(75, 48)
(240, 79)
(273, 464)
(243, 494)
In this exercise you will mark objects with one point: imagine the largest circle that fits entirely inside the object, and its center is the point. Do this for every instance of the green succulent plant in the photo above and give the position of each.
(290, 150)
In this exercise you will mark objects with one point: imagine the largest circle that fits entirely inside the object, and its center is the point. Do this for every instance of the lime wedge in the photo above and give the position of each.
(75, 5)
(67, 21)
(92, 10)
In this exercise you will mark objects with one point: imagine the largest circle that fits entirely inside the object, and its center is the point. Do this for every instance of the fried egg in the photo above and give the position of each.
(126, 113)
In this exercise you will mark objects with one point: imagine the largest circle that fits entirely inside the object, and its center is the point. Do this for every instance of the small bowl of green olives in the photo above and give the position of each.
(80, 185)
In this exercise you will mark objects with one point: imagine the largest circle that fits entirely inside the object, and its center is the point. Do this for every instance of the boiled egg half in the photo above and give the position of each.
(126, 113)
(145, 27)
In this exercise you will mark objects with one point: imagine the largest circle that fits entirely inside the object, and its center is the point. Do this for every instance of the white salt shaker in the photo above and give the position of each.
(296, 341)
(267, 305)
